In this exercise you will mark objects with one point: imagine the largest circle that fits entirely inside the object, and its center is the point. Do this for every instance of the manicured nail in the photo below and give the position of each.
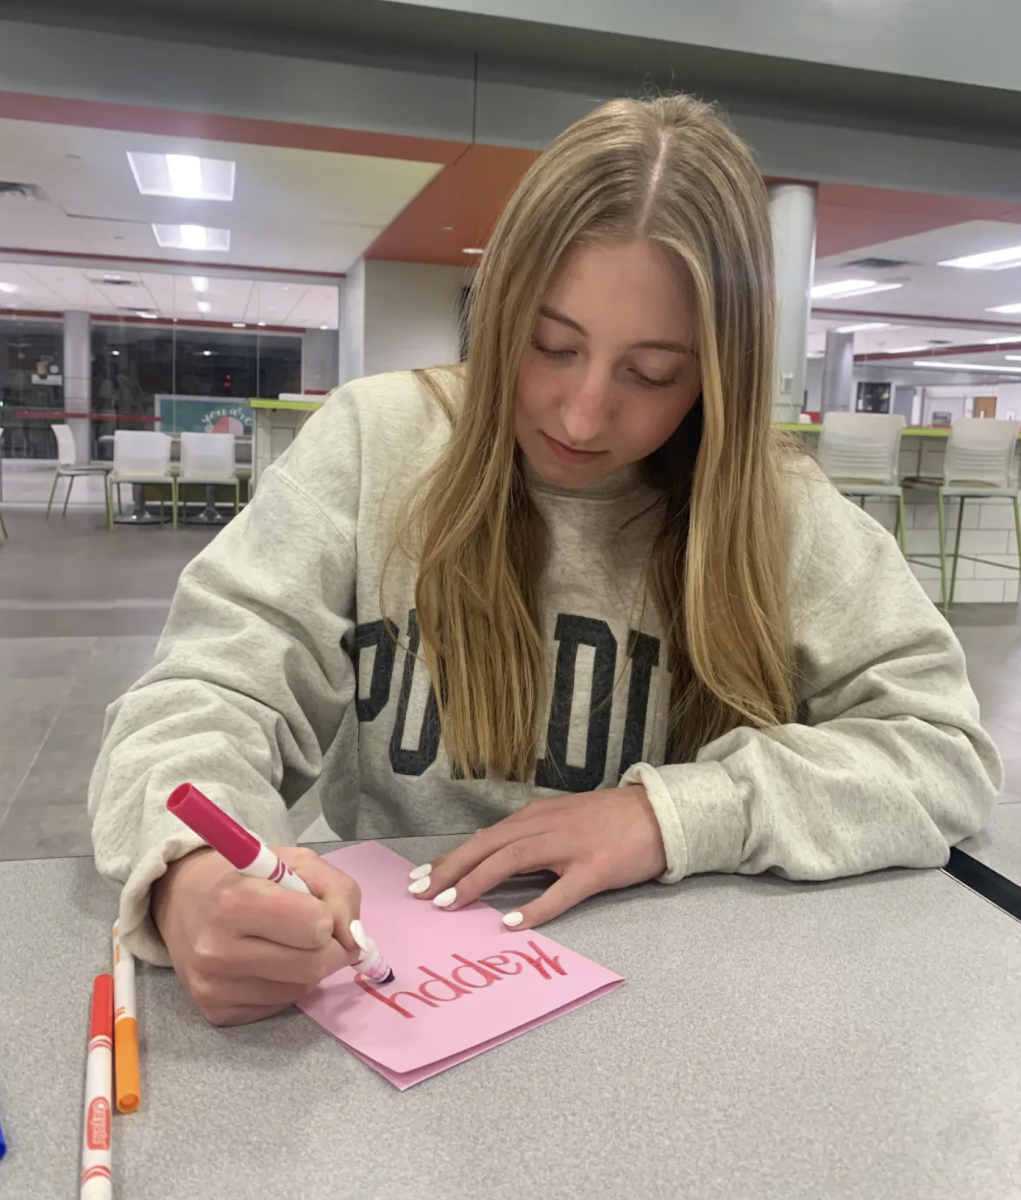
(445, 899)
(422, 871)
(420, 886)
(358, 933)
(513, 920)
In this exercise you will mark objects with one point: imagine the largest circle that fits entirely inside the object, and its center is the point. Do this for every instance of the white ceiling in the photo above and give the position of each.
(49, 288)
(293, 210)
(930, 290)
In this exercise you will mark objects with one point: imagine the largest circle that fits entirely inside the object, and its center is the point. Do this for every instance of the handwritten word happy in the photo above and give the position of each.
(485, 972)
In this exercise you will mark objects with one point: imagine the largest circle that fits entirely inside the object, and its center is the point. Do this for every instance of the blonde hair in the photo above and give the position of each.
(671, 170)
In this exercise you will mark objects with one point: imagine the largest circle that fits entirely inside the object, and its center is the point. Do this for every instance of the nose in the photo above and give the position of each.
(584, 409)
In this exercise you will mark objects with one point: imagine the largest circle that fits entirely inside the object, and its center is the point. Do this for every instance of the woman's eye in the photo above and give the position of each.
(646, 382)
(549, 351)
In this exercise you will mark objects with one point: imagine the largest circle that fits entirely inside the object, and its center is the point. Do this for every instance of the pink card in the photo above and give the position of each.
(463, 983)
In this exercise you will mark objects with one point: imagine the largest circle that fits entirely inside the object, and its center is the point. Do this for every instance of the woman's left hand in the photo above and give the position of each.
(594, 841)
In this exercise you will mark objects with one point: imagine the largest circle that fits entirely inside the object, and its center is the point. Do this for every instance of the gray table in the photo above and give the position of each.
(999, 844)
(811, 1042)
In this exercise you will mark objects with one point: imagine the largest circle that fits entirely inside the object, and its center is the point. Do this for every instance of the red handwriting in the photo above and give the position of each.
(467, 977)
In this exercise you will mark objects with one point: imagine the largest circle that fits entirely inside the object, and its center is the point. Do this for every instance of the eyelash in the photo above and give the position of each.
(642, 380)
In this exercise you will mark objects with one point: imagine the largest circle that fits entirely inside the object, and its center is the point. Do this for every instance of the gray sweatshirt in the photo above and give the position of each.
(277, 668)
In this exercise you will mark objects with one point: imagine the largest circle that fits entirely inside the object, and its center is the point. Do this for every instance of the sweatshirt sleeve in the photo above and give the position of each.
(888, 765)
(249, 688)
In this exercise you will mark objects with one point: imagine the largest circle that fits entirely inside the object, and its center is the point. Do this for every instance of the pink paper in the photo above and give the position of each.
(463, 983)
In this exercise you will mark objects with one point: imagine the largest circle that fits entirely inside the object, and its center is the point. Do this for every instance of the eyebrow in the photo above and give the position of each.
(651, 344)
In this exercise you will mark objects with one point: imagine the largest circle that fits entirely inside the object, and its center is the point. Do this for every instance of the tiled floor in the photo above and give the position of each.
(80, 613)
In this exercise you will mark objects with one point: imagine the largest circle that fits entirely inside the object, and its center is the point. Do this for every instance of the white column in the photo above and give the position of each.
(792, 215)
(351, 324)
(78, 378)
(838, 372)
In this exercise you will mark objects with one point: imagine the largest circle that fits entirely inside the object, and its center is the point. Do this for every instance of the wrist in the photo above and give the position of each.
(162, 889)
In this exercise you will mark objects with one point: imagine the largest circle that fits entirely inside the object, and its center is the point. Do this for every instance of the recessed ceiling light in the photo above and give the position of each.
(200, 283)
(1013, 357)
(816, 354)
(203, 306)
(472, 250)
(262, 324)
(192, 237)
(8, 288)
(1006, 308)
(324, 327)
(147, 316)
(112, 278)
(115, 353)
(863, 327)
(985, 367)
(851, 287)
(991, 260)
(906, 349)
(998, 341)
(239, 325)
(184, 176)
(207, 353)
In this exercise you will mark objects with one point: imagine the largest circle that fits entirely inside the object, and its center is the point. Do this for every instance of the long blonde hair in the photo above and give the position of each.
(671, 170)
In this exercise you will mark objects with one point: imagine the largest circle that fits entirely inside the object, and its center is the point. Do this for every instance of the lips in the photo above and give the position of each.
(567, 455)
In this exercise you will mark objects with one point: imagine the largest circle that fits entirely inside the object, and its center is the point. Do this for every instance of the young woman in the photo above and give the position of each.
(577, 596)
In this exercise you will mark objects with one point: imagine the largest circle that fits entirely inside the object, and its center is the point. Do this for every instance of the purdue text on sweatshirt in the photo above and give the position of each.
(277, 667)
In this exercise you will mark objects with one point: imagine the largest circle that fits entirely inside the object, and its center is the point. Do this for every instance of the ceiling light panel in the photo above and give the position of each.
(183, 176)
(1006, 308)
(192, 237)
(867, 325)
(991, 260)
(984, 367)
(851, 287)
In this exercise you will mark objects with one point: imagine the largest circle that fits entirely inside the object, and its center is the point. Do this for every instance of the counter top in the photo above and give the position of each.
(291, 405)
(999, 844)
(916, 431)
(854, 1039)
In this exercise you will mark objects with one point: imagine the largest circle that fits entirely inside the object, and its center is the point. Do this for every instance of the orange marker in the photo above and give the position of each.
(96, 1178)
(125, 1028)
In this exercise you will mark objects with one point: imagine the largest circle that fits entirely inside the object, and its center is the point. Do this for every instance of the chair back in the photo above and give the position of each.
(207, 456)
(981, 452)
(67, 451)
(861, 447)
(141, 454)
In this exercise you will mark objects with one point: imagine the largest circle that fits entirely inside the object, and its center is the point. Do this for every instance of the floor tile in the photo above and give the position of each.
(28, 708)
(45, 831)
(38, 658)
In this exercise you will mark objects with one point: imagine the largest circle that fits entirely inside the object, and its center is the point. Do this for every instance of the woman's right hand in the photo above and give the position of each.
(246, 948)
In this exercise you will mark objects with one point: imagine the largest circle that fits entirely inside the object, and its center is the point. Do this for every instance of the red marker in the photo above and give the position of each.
(250, 856)
(239, 847)
(97, 1182)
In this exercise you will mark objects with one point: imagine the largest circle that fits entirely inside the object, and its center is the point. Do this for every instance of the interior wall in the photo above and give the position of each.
(411, 315)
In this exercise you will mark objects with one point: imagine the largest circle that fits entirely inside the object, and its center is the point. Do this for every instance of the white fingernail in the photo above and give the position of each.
(422, 871)
(445, 899)
(358, 933)
(513, 920)
(420, 886)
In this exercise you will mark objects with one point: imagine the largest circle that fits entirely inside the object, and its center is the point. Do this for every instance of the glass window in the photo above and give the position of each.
(31, 379)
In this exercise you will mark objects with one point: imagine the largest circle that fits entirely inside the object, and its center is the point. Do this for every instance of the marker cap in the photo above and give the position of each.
(102, 1008)
(226, 836)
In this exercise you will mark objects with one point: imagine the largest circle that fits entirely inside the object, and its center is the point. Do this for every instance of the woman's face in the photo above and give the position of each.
(611, 370)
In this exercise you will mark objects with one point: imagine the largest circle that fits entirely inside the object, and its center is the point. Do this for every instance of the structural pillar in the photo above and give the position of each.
(838, 372)
(78, 379)
(351, 323)
(792, 216)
